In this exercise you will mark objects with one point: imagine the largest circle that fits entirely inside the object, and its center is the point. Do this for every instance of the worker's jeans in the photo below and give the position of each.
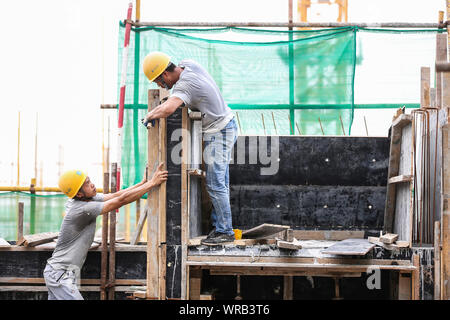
(217, 156)
(61, 284)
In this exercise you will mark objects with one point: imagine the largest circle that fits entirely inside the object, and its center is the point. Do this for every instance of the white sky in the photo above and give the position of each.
(59, 60)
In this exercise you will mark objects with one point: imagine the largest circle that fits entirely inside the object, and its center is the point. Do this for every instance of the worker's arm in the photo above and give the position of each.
(135, 193)
(110, 196)
(165, 109)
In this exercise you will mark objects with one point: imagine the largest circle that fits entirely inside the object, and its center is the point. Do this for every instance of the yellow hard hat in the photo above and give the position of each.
(154, 64)
(71, 181)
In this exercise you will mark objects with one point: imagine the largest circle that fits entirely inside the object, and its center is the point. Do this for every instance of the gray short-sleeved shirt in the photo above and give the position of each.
(198, 90)
(77, 233)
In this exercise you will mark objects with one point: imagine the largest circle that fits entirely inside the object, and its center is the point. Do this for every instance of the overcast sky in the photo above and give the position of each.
(59, 60)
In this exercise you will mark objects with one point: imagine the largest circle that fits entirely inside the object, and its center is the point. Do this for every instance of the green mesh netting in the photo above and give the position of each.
(278, 82)
(44, 213)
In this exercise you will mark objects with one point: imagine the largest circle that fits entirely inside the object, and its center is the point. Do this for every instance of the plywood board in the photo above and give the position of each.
(263, 230)
(357, 247)
(39, 238)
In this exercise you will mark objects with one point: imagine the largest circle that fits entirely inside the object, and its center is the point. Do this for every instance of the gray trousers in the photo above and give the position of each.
(61, 284)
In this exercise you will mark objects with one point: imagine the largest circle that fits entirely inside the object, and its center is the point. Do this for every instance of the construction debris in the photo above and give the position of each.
(389, 238)
(291, 245)
(393, 246)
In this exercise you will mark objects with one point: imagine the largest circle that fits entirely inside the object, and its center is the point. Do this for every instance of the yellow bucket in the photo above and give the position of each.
(237, 234)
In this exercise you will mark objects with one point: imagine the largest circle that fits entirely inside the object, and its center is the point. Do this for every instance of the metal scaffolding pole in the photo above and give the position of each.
(292, 25)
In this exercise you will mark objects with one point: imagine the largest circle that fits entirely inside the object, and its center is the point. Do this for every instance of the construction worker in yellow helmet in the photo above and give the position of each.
(193, 87)
(62, 272)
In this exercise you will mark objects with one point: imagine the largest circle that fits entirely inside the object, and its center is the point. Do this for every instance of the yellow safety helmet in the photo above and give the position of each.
(71, 181)
(154, 64)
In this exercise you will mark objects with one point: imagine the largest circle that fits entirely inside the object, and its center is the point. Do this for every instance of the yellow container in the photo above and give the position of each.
(237, 234)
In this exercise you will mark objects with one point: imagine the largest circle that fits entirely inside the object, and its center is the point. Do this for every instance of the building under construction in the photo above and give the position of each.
(319, 213)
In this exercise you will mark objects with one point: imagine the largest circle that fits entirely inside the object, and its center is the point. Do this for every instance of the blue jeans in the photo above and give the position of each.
(217, 156)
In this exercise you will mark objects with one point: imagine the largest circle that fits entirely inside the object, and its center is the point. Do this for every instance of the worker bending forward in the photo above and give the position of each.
(78, 228)
(193, 87)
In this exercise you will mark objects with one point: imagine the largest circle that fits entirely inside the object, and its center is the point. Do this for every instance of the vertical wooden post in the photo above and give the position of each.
(437, 261)
(445, 213)
(153, 223)
(33, 206)
(288, 287)
(195, 283)
(138, 215)
(104, 257)
(112, 236)
(425, 87)
(185, 126)
(416, 278)
(445, 190)
(20, 222)
(404, 286)
(441, 55)
(162, 158)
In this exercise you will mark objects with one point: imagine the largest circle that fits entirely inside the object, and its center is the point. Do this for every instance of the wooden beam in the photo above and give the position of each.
(400, 179)
(17, 280)
(185, 156)
(33, 240)
(288, 287)
(441, 55)
(389, 238)
(20, 222)
(416, 277)
(162, 193)
(112, 237)
(104, 255)
(437, 260)
(445, 213)
(404, 286)
(327, 234)
(195, 283)
(153, 223)
(425, 87)
(294, 245)
(140, 225)
(263, 230)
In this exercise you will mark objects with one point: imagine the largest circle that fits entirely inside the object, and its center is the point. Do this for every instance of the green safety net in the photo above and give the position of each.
(280, 82)
(44, 213)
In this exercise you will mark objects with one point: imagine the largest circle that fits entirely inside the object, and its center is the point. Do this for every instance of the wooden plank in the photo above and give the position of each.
(403, 120)
(140, 225)
(389, 238)
(425, 87)
(33, 240)
(404, 286)
(153, 223)
(441, 55)
(112, 237)
(288, 287)
(104, 255)
(206, 297)
(252, 242)
(195, 214)
(327, 234)
(20, 223)
(195, 283)
(416, 277)
(400, 179)
(445, 207)
(294, 245)
(437, 260)
(263, 230)
(162, 158)
(185, 156)
(401, 203)
(263, 271)
(17, 280)
(394, 246)
(44, 288)
(358, 247)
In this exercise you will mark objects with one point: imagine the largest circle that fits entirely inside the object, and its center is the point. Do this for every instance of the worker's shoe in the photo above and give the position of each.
(211, 233)
(218, 238)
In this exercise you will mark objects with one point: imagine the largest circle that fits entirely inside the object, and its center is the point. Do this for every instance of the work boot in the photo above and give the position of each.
(218, 238)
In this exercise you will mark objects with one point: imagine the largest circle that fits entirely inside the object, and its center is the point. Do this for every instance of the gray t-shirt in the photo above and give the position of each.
(198, 90)
(76, 234)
